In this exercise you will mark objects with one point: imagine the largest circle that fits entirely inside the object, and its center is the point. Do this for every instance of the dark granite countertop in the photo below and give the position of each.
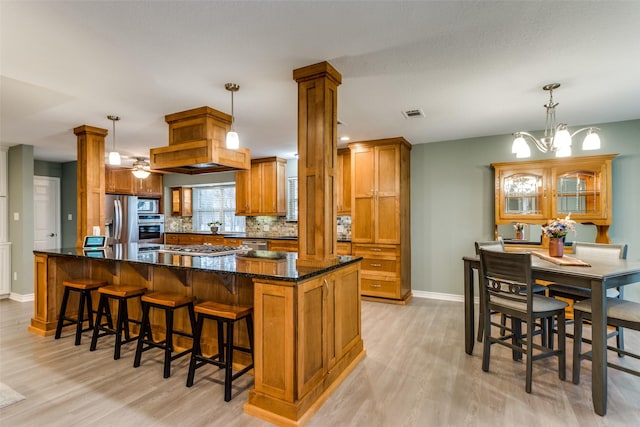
(248, 264)
(245, 236)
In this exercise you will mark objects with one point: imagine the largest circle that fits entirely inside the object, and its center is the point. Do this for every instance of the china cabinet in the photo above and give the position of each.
(380, 228)
(535, 191)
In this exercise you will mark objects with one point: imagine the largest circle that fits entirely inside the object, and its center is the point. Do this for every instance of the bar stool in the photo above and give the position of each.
(83, 286)
(169, 303)
(227, 315)
(122, 294)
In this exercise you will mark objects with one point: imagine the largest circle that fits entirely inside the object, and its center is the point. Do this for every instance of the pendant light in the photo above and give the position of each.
(233, 141)
(114, 156)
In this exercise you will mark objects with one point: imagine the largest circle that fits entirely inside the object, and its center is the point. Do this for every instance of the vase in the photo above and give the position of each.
(556, 247)
(519, 235)
(214, 229)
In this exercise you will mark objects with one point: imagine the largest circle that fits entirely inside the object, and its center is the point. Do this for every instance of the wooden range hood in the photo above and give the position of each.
(197, 144)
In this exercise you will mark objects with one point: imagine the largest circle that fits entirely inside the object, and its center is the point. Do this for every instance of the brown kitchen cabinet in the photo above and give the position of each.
(118, 180)
(343, 187)
(261, 190)
(150, 186)
(380, 228)
(181, 201)
(121, 181)
(343, 248)
(536, 191)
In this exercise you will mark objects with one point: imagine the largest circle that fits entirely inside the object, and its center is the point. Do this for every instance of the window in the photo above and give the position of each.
(216, 203)
(292, 198)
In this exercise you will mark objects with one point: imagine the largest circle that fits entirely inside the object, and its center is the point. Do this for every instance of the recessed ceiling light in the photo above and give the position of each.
(344, 138)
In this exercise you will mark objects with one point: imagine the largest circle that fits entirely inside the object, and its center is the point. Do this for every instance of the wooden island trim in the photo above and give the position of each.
(307, 329)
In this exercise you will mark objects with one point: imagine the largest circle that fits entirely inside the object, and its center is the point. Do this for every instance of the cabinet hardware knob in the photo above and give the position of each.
(376, 265)
(376, 286)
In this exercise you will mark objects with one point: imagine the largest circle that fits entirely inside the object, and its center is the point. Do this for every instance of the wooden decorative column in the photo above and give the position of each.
(317, 151)
(90, 180)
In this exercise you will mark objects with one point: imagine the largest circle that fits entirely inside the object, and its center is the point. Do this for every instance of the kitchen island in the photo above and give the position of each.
(307, 321)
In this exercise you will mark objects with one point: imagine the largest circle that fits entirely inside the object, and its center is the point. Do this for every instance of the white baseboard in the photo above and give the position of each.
(21, 297)
(440, 296)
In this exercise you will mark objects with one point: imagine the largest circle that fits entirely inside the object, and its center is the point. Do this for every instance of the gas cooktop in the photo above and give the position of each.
(204, 250)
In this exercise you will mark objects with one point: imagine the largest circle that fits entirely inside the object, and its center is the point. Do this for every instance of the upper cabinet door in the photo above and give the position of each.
(363, 193)
(582, 191)
(522, 195)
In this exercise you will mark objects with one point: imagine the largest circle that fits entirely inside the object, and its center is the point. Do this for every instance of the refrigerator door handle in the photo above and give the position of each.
(118, 220)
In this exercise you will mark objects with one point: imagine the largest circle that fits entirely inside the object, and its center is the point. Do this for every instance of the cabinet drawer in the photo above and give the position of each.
(379, 265)
(380, 288)
(190, 239)
(376, 251)
(171, 239)
(229, 241)
(213, 239)
(283, 245)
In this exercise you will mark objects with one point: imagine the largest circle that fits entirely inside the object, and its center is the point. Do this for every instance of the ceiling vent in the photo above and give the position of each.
(413, 114)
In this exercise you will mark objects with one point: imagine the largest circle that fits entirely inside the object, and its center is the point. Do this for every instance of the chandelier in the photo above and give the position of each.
(141, 168)
(556, 137)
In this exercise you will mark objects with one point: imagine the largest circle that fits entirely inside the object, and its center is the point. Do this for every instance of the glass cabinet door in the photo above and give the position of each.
(578, 193)
(522, 195)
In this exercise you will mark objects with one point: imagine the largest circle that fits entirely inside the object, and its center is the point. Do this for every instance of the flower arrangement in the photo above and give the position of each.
(519, 226)
(559, 227)
(214, 223)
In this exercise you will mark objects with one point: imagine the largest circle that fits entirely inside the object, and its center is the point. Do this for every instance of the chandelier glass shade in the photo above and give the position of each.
(141, 168)
(114, 156)
(232, 140)
(557, 137)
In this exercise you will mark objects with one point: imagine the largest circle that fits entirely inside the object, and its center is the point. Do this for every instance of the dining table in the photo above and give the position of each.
(598, 276)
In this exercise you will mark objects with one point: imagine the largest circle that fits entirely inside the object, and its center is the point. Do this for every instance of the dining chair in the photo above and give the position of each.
(498, 245)
(507, 288)
(593, 251)
(620, 314)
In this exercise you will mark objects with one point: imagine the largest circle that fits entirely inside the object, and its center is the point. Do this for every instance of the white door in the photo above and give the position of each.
(46, 212)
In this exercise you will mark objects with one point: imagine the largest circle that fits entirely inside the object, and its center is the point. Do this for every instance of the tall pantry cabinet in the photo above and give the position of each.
(381, 223)
(5, 246)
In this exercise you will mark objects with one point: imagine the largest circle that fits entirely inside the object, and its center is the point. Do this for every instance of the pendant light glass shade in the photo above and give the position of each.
(591, 141)
(141, 173)
(233, 140)
(114, 158)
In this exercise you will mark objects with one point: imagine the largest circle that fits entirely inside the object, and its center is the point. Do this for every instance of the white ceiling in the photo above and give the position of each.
(476, 68)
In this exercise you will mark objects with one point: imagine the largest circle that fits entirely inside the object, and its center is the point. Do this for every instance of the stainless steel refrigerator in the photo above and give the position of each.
(121, 219)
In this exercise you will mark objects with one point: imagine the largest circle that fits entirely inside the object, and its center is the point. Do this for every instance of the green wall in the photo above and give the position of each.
(452, 200)
(69, 203)
(21, 171)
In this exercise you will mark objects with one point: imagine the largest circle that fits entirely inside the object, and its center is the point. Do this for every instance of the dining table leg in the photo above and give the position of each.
(469, 314)
(599, 346)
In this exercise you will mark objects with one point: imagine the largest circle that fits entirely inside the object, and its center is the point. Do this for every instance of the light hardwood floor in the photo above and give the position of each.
(416, 373)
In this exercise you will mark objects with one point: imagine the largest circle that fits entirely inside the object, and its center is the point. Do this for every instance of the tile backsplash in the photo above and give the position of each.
(260, 226)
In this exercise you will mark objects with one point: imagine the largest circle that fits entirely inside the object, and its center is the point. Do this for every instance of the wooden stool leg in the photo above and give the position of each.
(81, 318)
(63, 311)
(249, 320)
(228, 372)
(197, 333)
(168, 342)
(122, 305)
(145, 328)
(96, 330)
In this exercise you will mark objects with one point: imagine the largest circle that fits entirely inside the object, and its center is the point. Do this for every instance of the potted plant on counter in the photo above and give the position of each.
(214, 226)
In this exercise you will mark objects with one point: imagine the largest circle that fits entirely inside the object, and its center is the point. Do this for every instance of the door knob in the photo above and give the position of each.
(52, 235)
